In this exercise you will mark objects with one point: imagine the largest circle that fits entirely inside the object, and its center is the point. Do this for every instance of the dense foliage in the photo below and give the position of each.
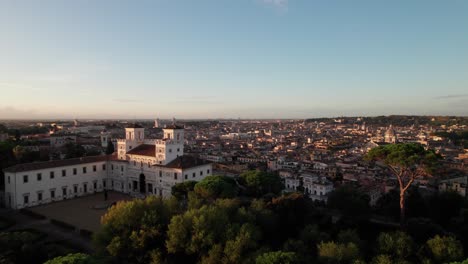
(219, 220)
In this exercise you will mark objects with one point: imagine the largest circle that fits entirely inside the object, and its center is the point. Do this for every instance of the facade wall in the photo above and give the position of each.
(48, 185)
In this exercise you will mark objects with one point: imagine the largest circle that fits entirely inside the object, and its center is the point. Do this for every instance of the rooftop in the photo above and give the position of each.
(55, 163)
(144, 150)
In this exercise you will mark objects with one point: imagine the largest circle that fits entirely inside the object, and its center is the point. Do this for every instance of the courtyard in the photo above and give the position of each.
(83, 212)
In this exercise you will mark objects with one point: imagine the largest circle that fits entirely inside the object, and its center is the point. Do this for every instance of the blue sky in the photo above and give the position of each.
(232, 58)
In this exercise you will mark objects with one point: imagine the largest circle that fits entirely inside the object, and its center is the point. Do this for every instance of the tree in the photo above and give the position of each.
(135, 231)
(277, 257)
(181, 190)
(77, 258)
(349, 201)
(259, 183)
(396, 244)
(331, 252)
(73, 150)
(445, 249)
(407, 162)
(222, 232)
(110, 148)
(213, 187)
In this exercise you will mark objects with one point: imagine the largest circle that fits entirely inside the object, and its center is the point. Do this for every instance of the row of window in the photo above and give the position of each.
(186, 175)
(64, 192)
(64, 173)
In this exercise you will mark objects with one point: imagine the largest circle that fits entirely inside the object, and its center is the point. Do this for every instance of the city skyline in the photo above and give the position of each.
(228, 59)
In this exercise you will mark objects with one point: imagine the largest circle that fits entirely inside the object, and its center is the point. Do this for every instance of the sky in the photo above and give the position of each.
(232, 58)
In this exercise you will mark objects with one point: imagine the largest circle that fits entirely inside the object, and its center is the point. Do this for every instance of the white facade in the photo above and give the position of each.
(317, 187)
(141, 167)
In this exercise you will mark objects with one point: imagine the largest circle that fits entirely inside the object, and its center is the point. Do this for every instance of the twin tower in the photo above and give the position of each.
(166, 149)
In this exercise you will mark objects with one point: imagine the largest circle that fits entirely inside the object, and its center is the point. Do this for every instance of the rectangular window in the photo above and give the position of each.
(8, 179)
(52, 174)
(25, 179)
(95, 185)
(64, 173)
(103, 166)
(186, 176)
(39, 196)
(175, 175)
(26, 199)
(207, 171)
(104, 183)
(193, 175)
(39, 177)
(94, 168)
(121, 168)
(112, 166)
(84, 169)
(52, 194)
(64, 192)
(201, 173)
(75, 189)
(74, 171)
(160, 173)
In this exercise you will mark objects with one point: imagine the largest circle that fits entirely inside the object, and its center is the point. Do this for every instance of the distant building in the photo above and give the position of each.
(60, 140)
(390, 135)
(458, 185)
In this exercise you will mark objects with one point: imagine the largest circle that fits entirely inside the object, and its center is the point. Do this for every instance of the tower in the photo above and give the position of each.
(171, 146)
(134, 136)
(157, 123)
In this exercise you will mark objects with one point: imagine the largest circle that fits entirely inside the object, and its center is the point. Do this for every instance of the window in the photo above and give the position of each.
(160, 173)
(74, 171)
(84, 169)
(121, 168)
(85, 187)
(64, 173)
(201, 173)
(170, 150)
(103, 166)
(186, 176)
(26, 199)
(178, 149)
(95, 185)
(207, 171)
(94, 168)
(193, 175)
(39, 176)
(75, 189)
(52, 193)
(150, 188)
(104, 183)
(39, 196)
(112, 166)
(64, 191)
(8, 179)
(175, 175)
(25, 179)
(52, 174)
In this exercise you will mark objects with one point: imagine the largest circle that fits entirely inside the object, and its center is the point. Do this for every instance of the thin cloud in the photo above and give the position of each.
(452, 96)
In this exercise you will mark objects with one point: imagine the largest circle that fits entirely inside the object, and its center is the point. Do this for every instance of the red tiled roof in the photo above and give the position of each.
(184, 162)
(144, 150)
(55, 163)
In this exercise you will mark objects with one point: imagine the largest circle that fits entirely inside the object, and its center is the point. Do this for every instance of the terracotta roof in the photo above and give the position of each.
(55, 163)
(184, 162)
(144, 150)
